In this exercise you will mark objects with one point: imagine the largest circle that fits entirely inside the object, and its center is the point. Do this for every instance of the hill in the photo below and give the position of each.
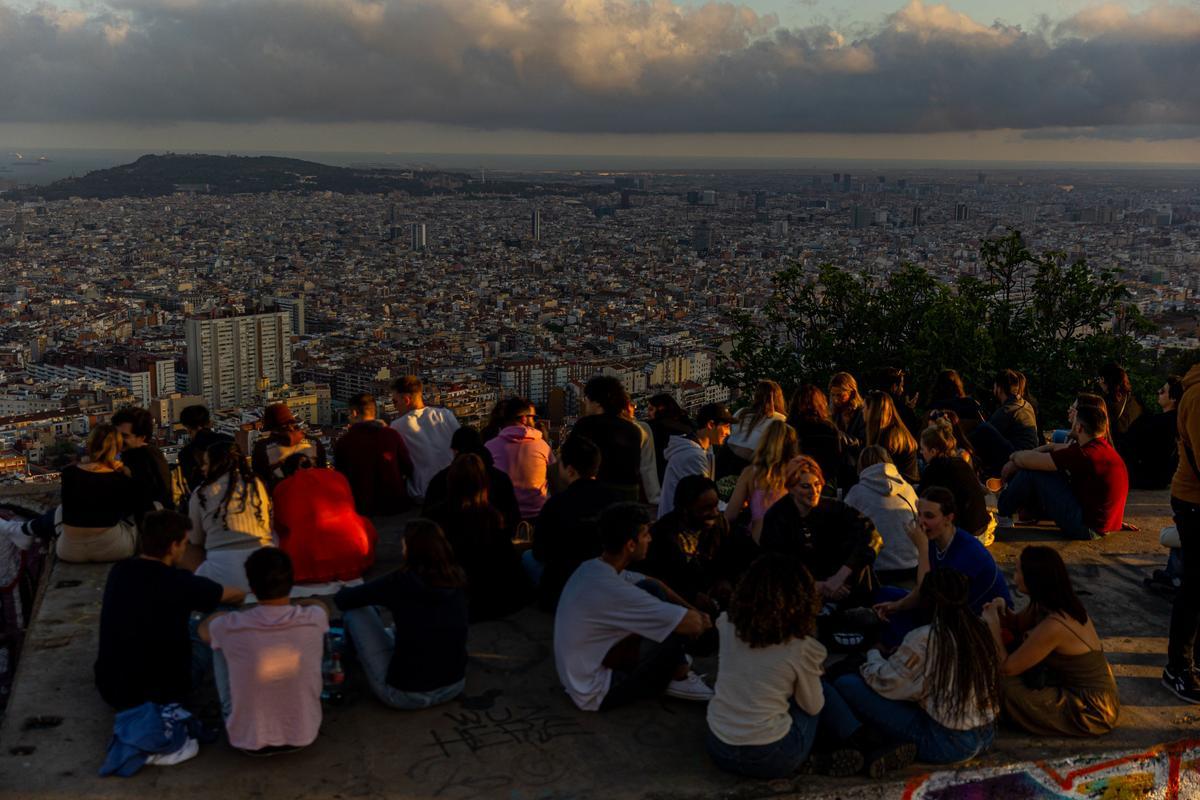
(157, 175)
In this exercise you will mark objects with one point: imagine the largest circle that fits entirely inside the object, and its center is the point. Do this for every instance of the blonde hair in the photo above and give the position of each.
(845, 380)
(104, 446)
(778, 446)
(884, 426)
(939, 437)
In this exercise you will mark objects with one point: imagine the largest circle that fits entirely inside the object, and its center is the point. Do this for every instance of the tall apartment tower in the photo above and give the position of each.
(295, 307)
(417, 234)
(228, 356)
(535, 224)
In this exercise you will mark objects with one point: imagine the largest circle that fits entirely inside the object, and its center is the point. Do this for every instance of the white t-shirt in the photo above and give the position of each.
(426, 432)
(742, 435)
(598, 608)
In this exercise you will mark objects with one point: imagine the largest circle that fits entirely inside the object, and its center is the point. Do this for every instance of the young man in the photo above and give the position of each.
(198, 423)
(1011, 427)
(695, 453)
(145, 651)
(285, 437)
(375, 460)
(426, 431)
(1082, 486)
(143, 459)
(620, 441)
(267, 660)
(941, 543)
(615, 641)
(1180, 675)
(567, 531)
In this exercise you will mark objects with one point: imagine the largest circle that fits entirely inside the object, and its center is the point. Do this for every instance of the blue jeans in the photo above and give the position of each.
(908, 722)
(533, 567)
(1049, 493)
(782, 758)
(375, 643)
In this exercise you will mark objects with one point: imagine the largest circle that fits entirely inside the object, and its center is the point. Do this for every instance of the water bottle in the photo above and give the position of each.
(332, 674)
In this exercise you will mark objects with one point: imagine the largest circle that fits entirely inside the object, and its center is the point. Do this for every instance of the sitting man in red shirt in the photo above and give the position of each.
(1081, 486)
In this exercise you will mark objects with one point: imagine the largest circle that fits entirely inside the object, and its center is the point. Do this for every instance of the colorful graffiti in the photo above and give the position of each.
(1165, 772)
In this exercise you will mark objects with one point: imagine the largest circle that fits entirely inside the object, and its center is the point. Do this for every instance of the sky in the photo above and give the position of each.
(1061, 80)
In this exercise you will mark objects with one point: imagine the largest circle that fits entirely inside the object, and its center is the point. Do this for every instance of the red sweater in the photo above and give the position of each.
(318, 527)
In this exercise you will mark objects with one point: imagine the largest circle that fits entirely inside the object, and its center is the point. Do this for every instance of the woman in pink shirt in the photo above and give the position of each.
(520, 452)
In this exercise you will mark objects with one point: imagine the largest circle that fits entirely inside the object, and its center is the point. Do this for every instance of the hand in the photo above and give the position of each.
(885, 610)
(706, 622)
(994, 608)
(1007, 471)
(916, 535)
(911, 400)
(835, 587)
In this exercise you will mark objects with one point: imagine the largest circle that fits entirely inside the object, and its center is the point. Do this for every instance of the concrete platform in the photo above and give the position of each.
(516, 736)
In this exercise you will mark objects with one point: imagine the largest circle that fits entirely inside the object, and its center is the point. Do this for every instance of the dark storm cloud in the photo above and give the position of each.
(594, 66)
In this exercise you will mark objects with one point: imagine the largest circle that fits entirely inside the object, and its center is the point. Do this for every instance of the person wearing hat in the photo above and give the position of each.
(284, 437)
(694, 453)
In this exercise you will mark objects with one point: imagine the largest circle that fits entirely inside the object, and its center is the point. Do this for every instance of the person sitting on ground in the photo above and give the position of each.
(764, 482)
(604, 405)
(374, 459)
(835, 542)
(1012, 426)
(890, 381)
(267, 659)
(198, 423)
(886, 429)
(145, 462)
(426, 431)
(1124, 408)
(145, 649)
(769, 697)
(666, 419)
(284, 436)
(1152, 443)
(618, 635)
(318, 526)
(692, 550)
(948, 394)
(941, 688)
(566, 533)
(651, 481)
(808, 413)
(1057, 682)
(519, 451)
(962, 442)
(848, 413)
(422, 660)
(945, 467)
(500, 489)
(941, 544)
(231, 517)
(99, 501)
(751, 425)
(694, 453)
(482, 542)
(1082, 487)
(890, 503)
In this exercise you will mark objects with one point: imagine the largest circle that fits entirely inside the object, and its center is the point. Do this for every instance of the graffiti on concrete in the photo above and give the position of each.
(1166, 772)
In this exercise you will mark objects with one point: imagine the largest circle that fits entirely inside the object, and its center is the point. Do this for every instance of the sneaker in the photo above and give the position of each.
(1182, 684)
(692, 688)
(841, 763)
(14, 529)
(889, 758)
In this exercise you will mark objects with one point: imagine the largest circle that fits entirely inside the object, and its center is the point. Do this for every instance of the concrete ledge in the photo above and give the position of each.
(515, 735)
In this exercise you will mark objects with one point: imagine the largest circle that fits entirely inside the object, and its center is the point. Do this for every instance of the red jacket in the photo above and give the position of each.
(318, 527)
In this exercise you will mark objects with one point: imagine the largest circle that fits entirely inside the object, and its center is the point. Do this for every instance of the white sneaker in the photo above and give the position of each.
(692, 687)
(14, 529)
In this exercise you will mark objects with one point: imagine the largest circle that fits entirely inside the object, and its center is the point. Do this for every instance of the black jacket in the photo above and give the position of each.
(833, 535)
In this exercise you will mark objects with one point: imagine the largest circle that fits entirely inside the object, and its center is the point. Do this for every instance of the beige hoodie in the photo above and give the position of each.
(1186, 485)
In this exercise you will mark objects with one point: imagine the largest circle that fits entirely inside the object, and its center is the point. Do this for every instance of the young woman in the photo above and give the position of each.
(1123, 407)
(891, 504)
(1057, 682)
(884, 428)
(763, 483)
(481, 540)
(948, 394)
(422, 661)
(519, 451)
(99, 500)
(847, 406)
(941, 688)
(231, 516)
(944, 466)
(808, 413)
(769, 695)
(750, 427)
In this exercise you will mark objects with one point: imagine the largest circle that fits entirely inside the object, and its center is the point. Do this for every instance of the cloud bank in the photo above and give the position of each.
(597, 66)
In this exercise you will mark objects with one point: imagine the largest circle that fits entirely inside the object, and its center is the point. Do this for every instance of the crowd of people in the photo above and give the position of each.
(831, 551)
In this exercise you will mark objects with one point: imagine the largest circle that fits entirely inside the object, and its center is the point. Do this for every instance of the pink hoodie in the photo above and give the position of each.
(521, 453)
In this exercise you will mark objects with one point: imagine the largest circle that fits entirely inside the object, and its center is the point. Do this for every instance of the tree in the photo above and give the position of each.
(1048, 317)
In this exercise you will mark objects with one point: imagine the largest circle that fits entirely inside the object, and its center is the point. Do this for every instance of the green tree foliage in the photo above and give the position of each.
(1053, 319)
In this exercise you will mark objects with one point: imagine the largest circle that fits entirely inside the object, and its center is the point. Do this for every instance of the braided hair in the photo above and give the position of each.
(226, 458)
(963, 664)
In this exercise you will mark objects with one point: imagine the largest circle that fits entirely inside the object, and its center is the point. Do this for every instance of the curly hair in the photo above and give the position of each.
(776, 601)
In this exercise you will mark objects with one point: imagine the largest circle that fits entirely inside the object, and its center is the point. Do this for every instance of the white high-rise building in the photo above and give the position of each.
(227, 356)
